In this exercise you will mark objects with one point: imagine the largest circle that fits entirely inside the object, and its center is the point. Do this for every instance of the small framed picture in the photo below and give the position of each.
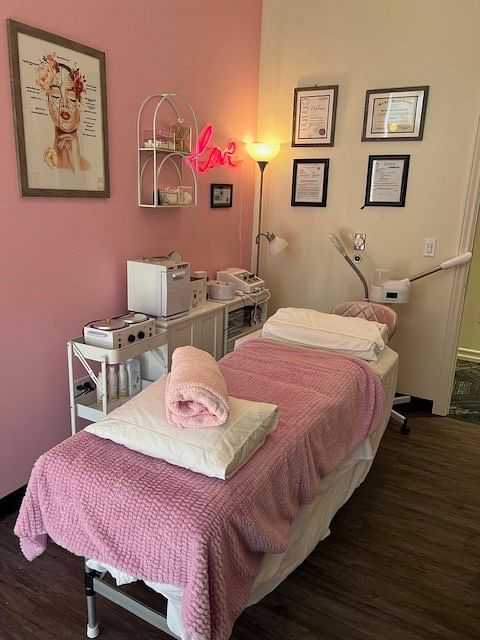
(395, 114)
(310, 182)
(387, 181)
(314, 112)
(221, 196)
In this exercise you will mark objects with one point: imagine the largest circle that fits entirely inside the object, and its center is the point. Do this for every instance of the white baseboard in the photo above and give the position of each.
(472, 355)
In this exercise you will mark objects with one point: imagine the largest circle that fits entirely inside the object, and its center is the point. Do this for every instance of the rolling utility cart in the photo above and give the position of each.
(87, 404)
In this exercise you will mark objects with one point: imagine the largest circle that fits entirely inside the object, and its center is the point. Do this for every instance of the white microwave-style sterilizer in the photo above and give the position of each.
(159, 287)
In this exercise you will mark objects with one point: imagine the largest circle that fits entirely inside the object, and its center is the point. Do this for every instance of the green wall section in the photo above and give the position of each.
(470, 332)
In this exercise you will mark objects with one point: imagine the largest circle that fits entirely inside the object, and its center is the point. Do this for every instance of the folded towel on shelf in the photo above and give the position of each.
(356, 337)
(196, 392)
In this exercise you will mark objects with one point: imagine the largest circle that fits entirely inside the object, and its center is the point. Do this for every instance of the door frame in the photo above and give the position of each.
(441, 404)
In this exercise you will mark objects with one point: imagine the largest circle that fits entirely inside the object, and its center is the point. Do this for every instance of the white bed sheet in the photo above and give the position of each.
(313, 521)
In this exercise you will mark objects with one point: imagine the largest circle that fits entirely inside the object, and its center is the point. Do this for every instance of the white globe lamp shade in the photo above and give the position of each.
(263, 151)
(277, 245)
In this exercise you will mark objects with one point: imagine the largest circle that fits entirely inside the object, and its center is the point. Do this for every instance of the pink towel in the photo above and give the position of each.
(196, 391)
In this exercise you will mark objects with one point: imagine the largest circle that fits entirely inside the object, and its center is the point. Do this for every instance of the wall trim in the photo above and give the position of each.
(472, 355)
(441, 403)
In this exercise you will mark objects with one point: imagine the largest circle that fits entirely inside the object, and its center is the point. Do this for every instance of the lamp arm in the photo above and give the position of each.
(265, 234)
(458, 261)
(339, 246)
(359, 274)
(419, 276)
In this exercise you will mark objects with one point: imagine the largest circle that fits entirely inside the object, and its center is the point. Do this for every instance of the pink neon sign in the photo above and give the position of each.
(204, 157)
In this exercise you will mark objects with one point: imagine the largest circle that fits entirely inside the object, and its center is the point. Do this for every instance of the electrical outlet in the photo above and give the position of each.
(359, 241)
(430, 247)
(79, 384)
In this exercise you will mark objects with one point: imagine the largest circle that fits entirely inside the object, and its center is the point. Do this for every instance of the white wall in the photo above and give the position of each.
(367, 45)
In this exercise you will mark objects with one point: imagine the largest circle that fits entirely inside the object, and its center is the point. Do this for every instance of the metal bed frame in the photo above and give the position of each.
(95, 584)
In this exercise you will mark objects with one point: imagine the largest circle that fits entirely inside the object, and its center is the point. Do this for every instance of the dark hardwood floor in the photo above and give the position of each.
(402, 563)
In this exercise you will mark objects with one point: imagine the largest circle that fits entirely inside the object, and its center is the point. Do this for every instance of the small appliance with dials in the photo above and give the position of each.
(159, 287)
(241, 279)
(119, 332)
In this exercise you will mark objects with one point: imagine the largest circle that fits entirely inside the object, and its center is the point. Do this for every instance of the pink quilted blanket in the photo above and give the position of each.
(170, 525)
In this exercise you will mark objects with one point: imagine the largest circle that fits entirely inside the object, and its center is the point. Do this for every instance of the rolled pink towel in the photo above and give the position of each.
(196, 391)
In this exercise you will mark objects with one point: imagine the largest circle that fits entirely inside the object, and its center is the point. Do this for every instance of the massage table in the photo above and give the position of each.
(310, 525)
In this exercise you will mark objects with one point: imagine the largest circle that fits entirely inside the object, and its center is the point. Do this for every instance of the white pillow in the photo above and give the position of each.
(140, 424)
(349, 336)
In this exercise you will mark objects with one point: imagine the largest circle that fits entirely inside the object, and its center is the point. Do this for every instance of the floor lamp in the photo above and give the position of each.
(263, 152)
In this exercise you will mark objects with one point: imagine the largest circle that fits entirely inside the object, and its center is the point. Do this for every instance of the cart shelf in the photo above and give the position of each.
(87, 405)
(89, 409)
(114, 356)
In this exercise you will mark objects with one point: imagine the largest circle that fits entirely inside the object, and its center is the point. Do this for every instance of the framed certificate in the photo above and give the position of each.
(309, 183)
(314, 111)
(387, 181)
(395, 114)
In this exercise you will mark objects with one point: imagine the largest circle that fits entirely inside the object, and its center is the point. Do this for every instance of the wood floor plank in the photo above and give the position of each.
(402, 562)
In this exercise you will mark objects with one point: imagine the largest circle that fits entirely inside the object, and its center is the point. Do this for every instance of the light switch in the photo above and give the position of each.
(430, 247)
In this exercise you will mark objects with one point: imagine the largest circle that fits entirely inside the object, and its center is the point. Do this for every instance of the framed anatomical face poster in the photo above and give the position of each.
(60, 114)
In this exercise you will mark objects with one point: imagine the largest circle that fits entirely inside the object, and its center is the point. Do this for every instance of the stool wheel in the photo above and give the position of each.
(405, 429)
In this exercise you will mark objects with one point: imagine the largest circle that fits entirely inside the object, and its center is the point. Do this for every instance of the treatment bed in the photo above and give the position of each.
(271, 514)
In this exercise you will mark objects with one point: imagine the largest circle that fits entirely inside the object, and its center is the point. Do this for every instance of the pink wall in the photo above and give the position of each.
(62, 261)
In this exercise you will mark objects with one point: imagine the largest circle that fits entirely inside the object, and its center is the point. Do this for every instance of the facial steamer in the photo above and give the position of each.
(394, 291)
